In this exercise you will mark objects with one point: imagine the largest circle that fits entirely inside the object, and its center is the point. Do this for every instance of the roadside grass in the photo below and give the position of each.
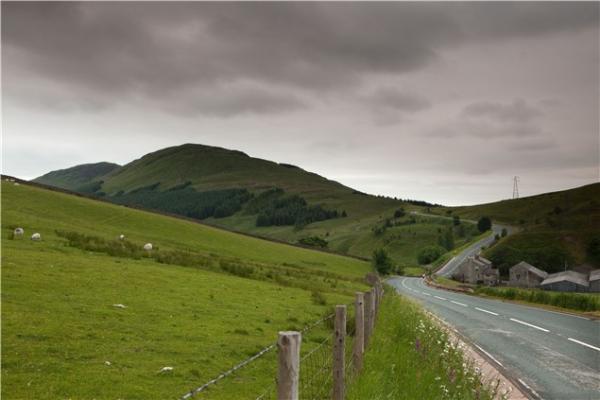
(572, 301)
(414, 271)
(449, 282)
(409, 357)
(60, 325)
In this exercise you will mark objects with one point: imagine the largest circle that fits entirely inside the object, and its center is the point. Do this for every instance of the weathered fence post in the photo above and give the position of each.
(359, 334)
(373, 310)
(288, 374)
(339, 353)
(368, 316)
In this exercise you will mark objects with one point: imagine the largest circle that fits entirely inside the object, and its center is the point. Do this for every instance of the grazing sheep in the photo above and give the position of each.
(19, 232)
(36, 236)
(121, 237)
(148, 246)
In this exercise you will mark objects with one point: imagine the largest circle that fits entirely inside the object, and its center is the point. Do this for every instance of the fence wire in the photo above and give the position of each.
(316, 361)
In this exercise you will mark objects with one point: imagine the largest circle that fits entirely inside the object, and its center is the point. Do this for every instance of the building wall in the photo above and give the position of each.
(595, 286)
(565, 286)
(522, 280)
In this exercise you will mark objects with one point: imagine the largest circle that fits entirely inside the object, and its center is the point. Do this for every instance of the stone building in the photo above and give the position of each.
(526, 275)
(566, 281)
(477, 270)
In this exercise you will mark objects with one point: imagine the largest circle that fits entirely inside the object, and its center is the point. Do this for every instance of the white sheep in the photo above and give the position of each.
(19, 231)
(148, 246)
(121, 237)
(36, 236)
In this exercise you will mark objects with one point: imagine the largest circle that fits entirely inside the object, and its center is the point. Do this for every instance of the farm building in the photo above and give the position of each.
(526, 275)
(595, 281)
(566, 281)
(477, 270)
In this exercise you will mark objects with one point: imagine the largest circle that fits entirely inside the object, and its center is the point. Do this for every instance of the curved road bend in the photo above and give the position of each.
(556, 355)
(447, 269)
(472, 250)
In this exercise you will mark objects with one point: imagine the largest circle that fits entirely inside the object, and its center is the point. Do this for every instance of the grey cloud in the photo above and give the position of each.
(516, 112)
(233, 101)
(150, 50)
(398, 100)
(484, 129)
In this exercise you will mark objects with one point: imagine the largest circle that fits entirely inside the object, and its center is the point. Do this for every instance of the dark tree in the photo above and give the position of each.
(504, 232)
(382, 261)
(456, 220)
(484, 224)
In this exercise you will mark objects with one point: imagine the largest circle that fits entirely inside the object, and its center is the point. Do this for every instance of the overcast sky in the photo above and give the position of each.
(444, 102)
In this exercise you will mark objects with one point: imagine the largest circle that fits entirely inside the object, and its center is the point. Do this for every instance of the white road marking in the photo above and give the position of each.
(460, 304)
(441, 298)
(486, 311)
(584, 344)
(426, 294)
(528, 324)
(529, 388)
(490, 356)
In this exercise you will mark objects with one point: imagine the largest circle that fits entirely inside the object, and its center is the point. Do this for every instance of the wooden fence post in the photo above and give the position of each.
(368, 316)
(339, 353)
(288, 375)
(359, 334)
(373, 310)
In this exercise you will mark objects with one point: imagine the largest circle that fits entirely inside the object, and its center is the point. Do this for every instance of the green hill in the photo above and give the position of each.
(229, 189)
(76, 177)
(555, 228)
(201, 301)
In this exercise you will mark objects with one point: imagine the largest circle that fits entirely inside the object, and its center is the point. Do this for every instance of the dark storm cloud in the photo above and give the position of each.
(516, 112)
(107, 51)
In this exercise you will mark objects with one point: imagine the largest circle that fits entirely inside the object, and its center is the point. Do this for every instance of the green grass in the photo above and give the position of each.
(413, 271)
(572, 301)
(60, 326)
(409, 357)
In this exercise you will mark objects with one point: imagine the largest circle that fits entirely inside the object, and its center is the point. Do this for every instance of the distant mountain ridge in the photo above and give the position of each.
(75, 177)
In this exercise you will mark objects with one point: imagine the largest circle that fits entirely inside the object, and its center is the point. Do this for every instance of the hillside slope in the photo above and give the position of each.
(203, 300)
(556, 229)
(229, 189)
(76, 177)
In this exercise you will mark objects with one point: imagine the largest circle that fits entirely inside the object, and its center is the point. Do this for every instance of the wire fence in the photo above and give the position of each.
(316, 363)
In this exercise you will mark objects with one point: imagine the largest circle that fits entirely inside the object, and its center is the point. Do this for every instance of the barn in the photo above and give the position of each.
(566, 281)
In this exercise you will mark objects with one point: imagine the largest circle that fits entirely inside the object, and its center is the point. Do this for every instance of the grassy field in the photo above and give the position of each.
(411, 358)
(64, 338)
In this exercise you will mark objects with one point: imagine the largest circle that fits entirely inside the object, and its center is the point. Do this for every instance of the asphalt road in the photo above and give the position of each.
(554, 355)
(448, 269)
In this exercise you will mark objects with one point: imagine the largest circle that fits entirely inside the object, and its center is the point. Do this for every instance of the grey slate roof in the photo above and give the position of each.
(532, 269)
(594, 275)
(570, 276)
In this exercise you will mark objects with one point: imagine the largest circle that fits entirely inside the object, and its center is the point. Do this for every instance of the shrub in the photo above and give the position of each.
(237, 269)
(429, 254)
(382, 262)
(314, 241)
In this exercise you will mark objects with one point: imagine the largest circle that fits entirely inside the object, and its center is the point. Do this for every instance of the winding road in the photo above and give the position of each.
(448, 269)
(553, 355)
